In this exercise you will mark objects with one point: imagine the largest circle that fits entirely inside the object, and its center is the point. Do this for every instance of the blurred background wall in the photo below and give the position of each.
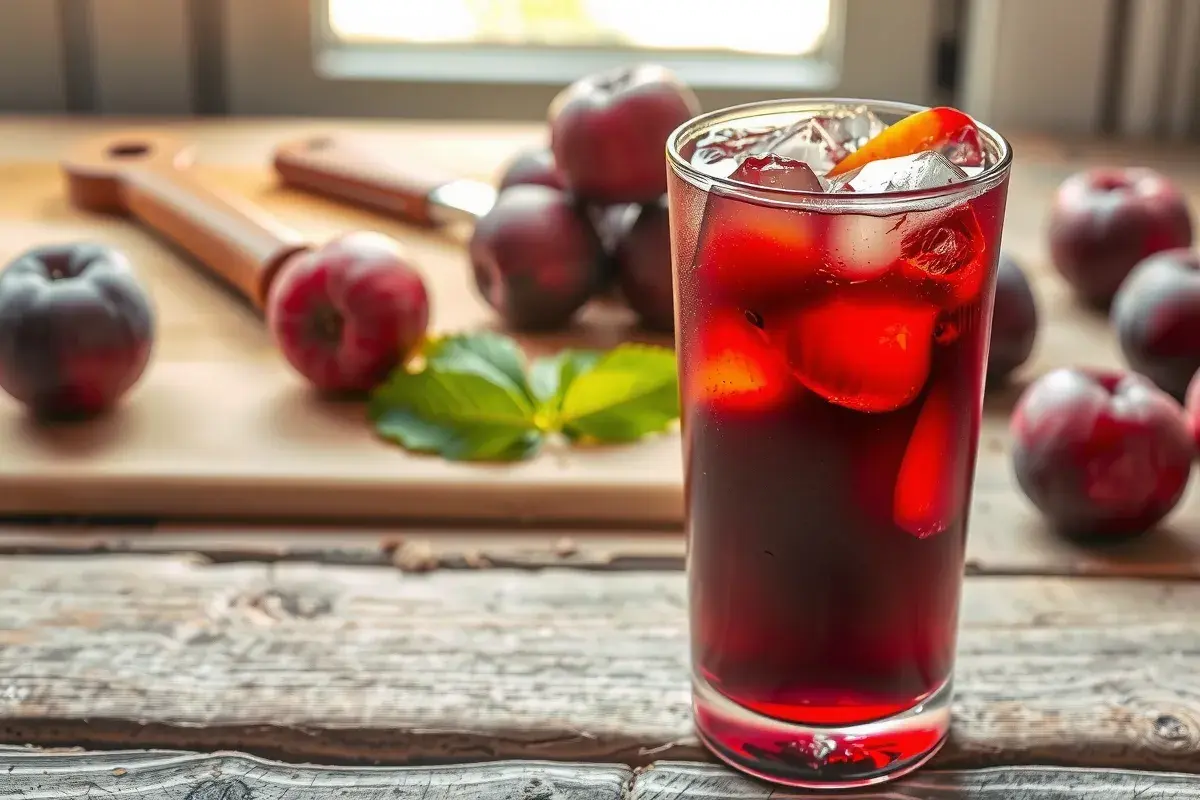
(1127, 67)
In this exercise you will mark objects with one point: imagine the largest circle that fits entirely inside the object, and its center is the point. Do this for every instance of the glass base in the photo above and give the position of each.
(821, 757)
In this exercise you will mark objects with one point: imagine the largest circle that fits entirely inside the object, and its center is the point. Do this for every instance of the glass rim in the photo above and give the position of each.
(975, 184)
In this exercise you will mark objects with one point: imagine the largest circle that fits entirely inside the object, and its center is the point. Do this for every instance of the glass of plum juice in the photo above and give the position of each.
(834, 266)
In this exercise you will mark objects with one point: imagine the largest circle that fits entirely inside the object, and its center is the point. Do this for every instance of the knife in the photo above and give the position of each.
(352, 169)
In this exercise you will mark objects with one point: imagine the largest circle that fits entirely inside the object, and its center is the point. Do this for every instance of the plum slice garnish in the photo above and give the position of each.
(864, 353)
(944, 129)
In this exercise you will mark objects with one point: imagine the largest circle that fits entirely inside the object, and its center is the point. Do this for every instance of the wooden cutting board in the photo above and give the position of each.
(220, 425)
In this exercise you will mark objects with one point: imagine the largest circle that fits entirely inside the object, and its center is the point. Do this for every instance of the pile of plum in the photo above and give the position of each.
(589, 213)
(1108, 452)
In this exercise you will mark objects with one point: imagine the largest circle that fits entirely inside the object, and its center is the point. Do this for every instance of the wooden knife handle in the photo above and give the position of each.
(147, 175)
(349, 169)
(231, 237)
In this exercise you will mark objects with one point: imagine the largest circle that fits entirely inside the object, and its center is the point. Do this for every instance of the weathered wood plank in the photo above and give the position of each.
(31, 775)
(365, 664)
(232, 776)
(414, 549)
(684, 781)
(1006, 538)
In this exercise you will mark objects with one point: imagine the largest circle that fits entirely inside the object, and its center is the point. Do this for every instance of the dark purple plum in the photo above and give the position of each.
(643, 259)
(1104, 221)
(1100, 453)
(76, 329)
(611, 223)
(609, 132)
(534, 166)
(536, 257)
(1014, 321)
(1157, 316)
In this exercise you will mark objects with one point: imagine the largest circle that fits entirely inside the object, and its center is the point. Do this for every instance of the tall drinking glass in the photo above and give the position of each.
(832, 343)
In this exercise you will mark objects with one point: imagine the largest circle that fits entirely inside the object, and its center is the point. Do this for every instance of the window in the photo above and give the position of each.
(762, 27)
(505, 59)
(1125, 67)
(767, 42)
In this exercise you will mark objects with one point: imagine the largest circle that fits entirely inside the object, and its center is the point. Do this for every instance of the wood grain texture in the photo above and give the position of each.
(46, 775)
(1027, 549)
(366, 664)
(324, 462)
(147, 178)
(167, 776)
(412, 549)
(186, 443)
(684, 781)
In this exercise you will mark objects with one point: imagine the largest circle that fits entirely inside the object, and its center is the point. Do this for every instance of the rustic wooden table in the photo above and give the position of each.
(428, 662)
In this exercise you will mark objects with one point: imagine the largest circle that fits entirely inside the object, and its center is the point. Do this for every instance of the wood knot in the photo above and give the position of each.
(277, 605)
(1171, 729)
(538, 789)
(221, 789)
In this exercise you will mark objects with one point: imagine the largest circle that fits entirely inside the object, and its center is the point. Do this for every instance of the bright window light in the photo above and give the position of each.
(761, 27)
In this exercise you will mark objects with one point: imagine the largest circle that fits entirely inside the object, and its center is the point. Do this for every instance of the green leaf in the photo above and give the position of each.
(551, 376)
(471, 443)
(471, 352)
(471, 402)
(628, 393)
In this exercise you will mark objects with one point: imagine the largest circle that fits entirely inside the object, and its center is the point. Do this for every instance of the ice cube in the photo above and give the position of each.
(965, 148)
(824, 140)
(733, 366)
(942, 251)
(938, 250)
(720, 152)
(750, 253)
(945, 245)
(721, 167)
(857, 125)
(861, 352)
(819, 141)
(930, 487)
(924, 170)
(777, 172)
(811, 142)
(861, 247)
